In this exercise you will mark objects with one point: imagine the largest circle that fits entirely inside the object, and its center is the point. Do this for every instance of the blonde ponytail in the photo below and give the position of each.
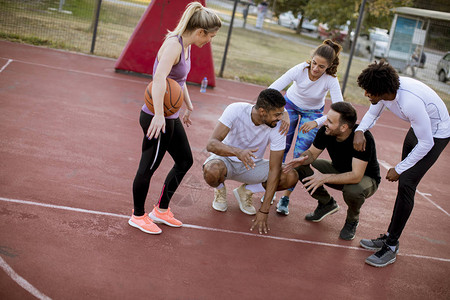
(196, 16)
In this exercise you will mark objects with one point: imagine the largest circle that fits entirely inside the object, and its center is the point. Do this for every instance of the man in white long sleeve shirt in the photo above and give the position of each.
(414, 102)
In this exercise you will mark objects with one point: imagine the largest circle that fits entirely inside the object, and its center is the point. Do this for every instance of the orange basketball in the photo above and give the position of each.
(173, 97)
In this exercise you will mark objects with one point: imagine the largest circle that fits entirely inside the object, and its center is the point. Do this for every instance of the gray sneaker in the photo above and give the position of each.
(383, 257)
(282, 206)
(375, 244)
(322, 210)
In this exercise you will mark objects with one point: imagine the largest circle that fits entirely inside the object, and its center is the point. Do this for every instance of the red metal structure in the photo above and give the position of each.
(140, 52)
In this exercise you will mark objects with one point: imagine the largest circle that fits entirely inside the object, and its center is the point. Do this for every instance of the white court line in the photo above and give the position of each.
(7, 63)
(214, 229)
(21, 281)
(79, 72)
(425, 195)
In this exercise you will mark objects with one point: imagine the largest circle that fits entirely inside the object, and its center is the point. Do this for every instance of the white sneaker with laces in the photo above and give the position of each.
(220, 199)
(244, 197)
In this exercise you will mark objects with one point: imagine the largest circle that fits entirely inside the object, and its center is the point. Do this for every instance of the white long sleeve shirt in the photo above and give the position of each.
(305, 93)
(418, 104)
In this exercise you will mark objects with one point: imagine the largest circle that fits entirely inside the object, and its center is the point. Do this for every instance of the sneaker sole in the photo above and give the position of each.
(368, 247)
(142, 229)
(161, 221)
(350, 239)
(283, 213)
(271, 202)
(328, 213)
(236, 195)
(218, 209)
(380, 265)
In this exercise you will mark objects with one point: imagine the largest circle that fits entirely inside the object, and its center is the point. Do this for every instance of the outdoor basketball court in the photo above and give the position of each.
(70, 148)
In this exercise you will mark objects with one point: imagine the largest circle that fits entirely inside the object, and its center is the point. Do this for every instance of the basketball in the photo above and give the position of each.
(173, 97)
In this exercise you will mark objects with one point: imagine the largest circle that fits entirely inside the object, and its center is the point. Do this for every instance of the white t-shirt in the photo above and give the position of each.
(244, 134)
(305, 93)
(418, 104)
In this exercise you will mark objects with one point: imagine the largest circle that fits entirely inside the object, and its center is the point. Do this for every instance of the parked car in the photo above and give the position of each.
(287, 19)
(337, 35)
(379, 39)
(443, 68)
(309, 25)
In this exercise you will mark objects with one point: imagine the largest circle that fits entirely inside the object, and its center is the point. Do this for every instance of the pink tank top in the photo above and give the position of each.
(178, 73)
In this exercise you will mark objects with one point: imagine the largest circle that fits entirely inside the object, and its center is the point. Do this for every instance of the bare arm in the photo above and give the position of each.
(352, 177)
(216, 146)
(305, 158)
(168, 55)
(275, 160)
(260, 221)
(312, 182)
(189, 107)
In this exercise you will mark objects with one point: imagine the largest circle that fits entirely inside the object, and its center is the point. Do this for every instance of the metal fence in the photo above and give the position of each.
(71, 25)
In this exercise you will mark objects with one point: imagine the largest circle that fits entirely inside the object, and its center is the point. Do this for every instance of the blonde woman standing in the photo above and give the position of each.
(197, 26)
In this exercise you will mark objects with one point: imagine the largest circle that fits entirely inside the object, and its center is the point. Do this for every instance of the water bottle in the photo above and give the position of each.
(204, 85)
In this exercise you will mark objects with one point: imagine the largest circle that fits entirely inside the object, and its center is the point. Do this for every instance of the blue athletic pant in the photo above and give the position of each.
(298, 117)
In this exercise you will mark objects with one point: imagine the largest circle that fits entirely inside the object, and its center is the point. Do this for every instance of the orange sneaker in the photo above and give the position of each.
(165, 218)
(145, 224)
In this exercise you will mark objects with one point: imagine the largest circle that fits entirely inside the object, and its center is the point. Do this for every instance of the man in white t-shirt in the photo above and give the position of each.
(238, 144)
(416, 103)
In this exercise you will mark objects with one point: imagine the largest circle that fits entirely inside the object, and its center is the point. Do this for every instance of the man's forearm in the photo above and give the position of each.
(271, 187)
(343, 178)
(219, 148)
(310, 158)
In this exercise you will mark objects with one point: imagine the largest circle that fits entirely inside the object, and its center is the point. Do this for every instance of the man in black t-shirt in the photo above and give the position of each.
(356, 174)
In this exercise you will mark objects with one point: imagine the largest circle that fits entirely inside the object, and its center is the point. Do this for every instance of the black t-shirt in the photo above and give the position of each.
(342, 153)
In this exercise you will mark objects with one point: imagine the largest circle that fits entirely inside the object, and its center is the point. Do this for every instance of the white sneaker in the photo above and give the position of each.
(220, 199)
(273, 199)
(244, 197)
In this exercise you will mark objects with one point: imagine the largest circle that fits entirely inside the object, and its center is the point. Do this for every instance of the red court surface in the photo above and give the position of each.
(70, 147)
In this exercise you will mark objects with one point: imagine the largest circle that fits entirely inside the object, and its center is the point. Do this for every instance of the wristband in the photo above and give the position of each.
(263, 212)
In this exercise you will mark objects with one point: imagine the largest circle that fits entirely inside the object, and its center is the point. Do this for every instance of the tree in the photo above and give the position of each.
(335, 13)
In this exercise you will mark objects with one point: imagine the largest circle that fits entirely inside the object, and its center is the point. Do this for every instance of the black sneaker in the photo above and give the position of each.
(383, 257)
(374, 244)
(349, 230)
(322, 210)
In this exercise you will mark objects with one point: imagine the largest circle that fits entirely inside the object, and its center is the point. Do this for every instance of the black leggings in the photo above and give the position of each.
(173, 141)
(408, 182)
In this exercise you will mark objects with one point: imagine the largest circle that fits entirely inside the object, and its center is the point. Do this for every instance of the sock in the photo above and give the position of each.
(220, 186)
(255, 188)
(392, 248)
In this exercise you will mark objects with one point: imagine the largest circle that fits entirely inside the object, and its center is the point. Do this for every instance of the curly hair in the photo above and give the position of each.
(330, 51)
(270, 99)
(379, 78)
